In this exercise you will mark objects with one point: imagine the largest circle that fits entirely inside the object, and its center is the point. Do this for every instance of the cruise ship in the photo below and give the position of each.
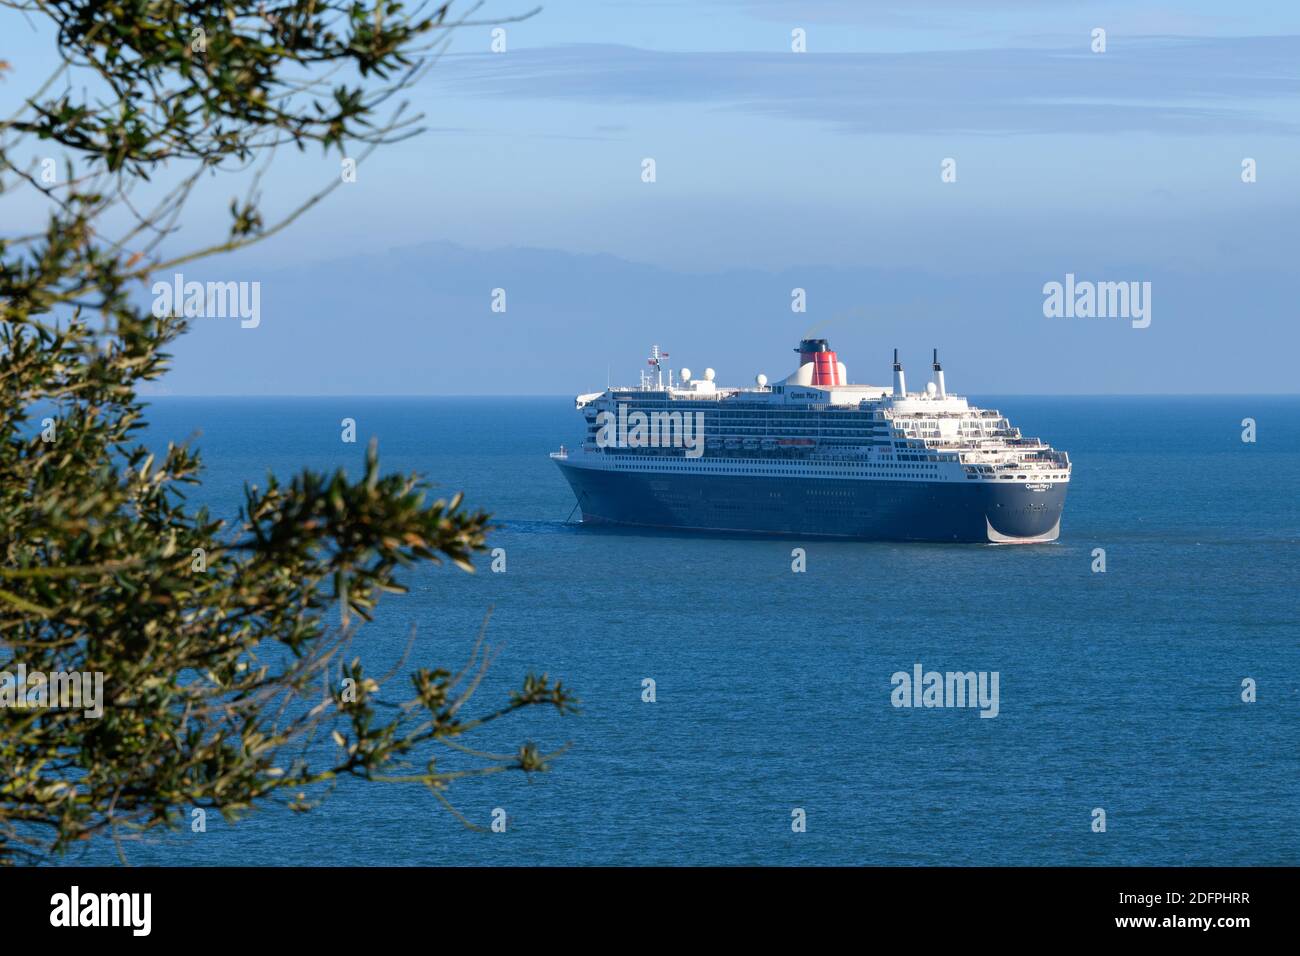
(812, 456)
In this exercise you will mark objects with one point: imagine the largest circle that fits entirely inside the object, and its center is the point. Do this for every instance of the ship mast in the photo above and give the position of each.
(656, 360)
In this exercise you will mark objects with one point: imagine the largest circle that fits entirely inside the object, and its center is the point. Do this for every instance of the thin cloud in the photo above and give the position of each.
(1168, 85)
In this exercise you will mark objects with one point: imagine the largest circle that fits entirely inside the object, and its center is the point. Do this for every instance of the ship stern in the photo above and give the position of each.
(1024, 512)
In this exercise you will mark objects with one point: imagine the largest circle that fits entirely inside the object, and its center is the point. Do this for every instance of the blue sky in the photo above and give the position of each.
(1115, 166)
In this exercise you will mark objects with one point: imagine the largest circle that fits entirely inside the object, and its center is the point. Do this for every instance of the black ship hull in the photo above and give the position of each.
(890, 510)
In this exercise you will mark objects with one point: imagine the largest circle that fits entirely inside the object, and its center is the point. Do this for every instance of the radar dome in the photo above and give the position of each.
(708, 374)
(686, 375)
(761, 379)
(931, 389)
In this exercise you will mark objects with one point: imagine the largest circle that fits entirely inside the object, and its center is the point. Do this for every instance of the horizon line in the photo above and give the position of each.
(570, 395)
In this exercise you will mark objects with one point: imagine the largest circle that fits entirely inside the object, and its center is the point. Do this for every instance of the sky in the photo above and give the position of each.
(776, 170)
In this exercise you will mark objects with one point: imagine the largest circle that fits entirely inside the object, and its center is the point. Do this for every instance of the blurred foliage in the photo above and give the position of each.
(223, 644)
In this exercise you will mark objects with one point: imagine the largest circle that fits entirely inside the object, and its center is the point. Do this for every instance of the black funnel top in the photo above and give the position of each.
(813, 345)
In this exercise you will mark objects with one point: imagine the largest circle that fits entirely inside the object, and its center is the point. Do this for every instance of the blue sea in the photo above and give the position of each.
(1119, 690)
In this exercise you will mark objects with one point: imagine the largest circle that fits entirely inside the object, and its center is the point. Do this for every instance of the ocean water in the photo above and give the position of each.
(1118, 690)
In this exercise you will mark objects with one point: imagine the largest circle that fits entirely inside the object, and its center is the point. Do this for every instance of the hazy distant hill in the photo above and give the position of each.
(418, 320)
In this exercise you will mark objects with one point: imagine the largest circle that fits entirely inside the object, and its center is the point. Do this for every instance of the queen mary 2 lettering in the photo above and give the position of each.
(812, 456)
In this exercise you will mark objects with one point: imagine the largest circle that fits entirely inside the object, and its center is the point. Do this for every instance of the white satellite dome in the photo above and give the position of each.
(931, 389)
(686, 375)
(708, 374)
(761, 379)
